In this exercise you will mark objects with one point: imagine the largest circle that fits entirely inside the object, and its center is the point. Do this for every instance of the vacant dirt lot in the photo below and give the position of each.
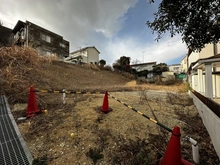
(120, 137)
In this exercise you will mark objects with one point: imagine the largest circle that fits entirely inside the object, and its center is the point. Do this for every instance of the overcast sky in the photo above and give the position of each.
(115, 27)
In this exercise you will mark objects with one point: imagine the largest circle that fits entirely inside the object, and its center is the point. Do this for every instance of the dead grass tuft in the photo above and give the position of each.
(17, 65)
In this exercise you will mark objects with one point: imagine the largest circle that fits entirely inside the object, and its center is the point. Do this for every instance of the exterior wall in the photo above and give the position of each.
(184, 64)
(208, 51)
(217, 69)
(214, 85)
(93, 55)
(143, 67)
(217, 86)
(168, 75)
(203, 86)
(194, 56)
(211, 122)
(89, 54)
(44, 47)
(5, 36)
(199, 85)
(44, 41)
(175, 68)
(195, 82)
(218, 48)
(83, 54)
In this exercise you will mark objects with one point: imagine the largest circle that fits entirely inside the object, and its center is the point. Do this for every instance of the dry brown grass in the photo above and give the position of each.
(17, 67)
(118, 136)
(22, 67)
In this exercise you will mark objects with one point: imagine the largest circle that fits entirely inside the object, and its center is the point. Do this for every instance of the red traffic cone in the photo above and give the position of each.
(173, 152)
(184, 162)
(32, 107)
(105, 108)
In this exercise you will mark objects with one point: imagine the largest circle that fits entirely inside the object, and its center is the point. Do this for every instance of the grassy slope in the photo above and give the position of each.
(23, 67)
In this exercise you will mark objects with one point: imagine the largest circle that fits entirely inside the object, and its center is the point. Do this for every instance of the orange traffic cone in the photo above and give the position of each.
(32, 107)
(173, 152)
(105, 108)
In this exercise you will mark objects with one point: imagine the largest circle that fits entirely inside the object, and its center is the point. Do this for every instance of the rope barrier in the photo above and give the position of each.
(140, 113)
(67, 92)
(85, 92)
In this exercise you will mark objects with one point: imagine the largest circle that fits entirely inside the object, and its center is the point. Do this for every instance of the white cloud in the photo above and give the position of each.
(165, 50)
(75, 20)
(81, 21)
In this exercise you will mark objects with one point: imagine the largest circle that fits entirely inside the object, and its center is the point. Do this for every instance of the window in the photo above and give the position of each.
(62, 45)
(46, 38)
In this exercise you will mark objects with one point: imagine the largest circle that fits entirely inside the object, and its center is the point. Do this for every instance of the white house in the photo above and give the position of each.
(145, 66)
(85, 55)
(204, 70)
(183, 63)
(176, 68)
(204, 78)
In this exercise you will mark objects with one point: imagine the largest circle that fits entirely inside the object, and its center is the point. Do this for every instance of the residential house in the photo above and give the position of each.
(184, 64)
(204, 78)
(176, 68)
(85, 55)
(44, 41)
(5, 36)
(204, 70)
(145, 66)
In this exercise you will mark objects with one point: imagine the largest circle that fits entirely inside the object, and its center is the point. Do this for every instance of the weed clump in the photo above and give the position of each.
(94, 154)
(18, 66)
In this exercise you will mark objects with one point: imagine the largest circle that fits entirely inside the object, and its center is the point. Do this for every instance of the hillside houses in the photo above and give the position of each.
(26, 33)
(41, 39)
(176, 68)
(84, 55)
(203, 69)
(6, 36)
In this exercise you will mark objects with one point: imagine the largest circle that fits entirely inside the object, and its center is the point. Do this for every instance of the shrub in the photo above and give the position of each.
(108, 67)
(127, 75)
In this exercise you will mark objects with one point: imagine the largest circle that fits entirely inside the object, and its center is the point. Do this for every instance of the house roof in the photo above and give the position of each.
(174, 64)
(21, 24)
(143, 64)
(83, 49)
(5, 28)
(18, 26)
(46, 30)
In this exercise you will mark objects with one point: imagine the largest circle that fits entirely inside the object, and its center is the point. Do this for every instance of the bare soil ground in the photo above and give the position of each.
(121, 136)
